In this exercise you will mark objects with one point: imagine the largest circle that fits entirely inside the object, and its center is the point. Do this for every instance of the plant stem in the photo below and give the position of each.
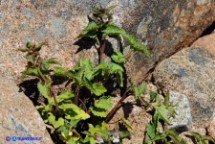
(116, 107)
(102, 50)
(41, 75)
(55, 100)
(77, 89)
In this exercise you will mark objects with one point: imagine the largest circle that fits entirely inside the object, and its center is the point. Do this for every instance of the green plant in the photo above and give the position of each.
(157, 130)
(199, 139)
(78, 110)
(80, 107)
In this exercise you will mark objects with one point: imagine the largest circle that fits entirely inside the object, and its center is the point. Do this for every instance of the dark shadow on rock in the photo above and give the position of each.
(122, 127)
(108, 49)
(87, 43)
(57, 80)
(127, 109)
(29, 87)
(208, 30)
(84, 43)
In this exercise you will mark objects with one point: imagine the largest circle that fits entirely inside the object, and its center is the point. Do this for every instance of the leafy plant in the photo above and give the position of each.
(157, 130)
(79, 108)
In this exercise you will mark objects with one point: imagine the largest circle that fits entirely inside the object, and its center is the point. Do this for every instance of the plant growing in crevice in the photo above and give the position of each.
(157, 131)
(79, 108)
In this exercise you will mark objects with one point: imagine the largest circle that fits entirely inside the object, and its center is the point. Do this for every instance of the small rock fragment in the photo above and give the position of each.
(183, 118)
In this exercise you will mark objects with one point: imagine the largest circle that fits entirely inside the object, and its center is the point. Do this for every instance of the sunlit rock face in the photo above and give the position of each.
(164, 26)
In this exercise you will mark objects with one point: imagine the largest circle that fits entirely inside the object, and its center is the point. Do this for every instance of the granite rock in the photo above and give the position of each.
(183, 118)
(163, 30)
(191, 72)
(206, 42)
(211, 128)
(18, 116)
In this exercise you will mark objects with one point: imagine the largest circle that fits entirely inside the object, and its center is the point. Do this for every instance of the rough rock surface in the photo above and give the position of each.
(183, 118)
(163, 30)
(191, 72)
(207, 42)
(211, 128)
(137, 117)
(18, 116)
(135, 114)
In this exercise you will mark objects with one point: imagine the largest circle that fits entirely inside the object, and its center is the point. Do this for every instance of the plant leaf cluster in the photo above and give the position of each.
(157, 130)
(79, 106)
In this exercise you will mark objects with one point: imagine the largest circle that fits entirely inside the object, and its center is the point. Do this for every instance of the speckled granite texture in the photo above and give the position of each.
(19, 117)
(190, 72)
(164, 26)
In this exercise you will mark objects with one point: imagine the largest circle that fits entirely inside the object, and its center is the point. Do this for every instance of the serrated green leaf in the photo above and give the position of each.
(117, 69)
(114, 68)
(44, 89)
(201, 142)
(59, 71)
(113, 30)
(89, 140)
(103, 103)
(99, 130)
(98, 69)
(98, 89)
(78, 112)
(64, 96)
(23, 49)
(31, 58)
(136, 45)
(29, 45)
(31, 71)
(91, 26)
(200, 139)
(195, 134)
(151, 130)
(56, 123)
(73, 123)
(98, 112)
(138, 90)
(73, 140)
(155, 118)
(208, 138)
(175, 137)
(147, 140)
(45, 64)
(153, 96)
(158, 137)
(118, 57)
(90, 31)
(163, 113)
(88, 70)
(38, 48)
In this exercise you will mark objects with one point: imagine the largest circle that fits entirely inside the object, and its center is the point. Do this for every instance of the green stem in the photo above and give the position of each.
(41, 75)
(51, 92)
